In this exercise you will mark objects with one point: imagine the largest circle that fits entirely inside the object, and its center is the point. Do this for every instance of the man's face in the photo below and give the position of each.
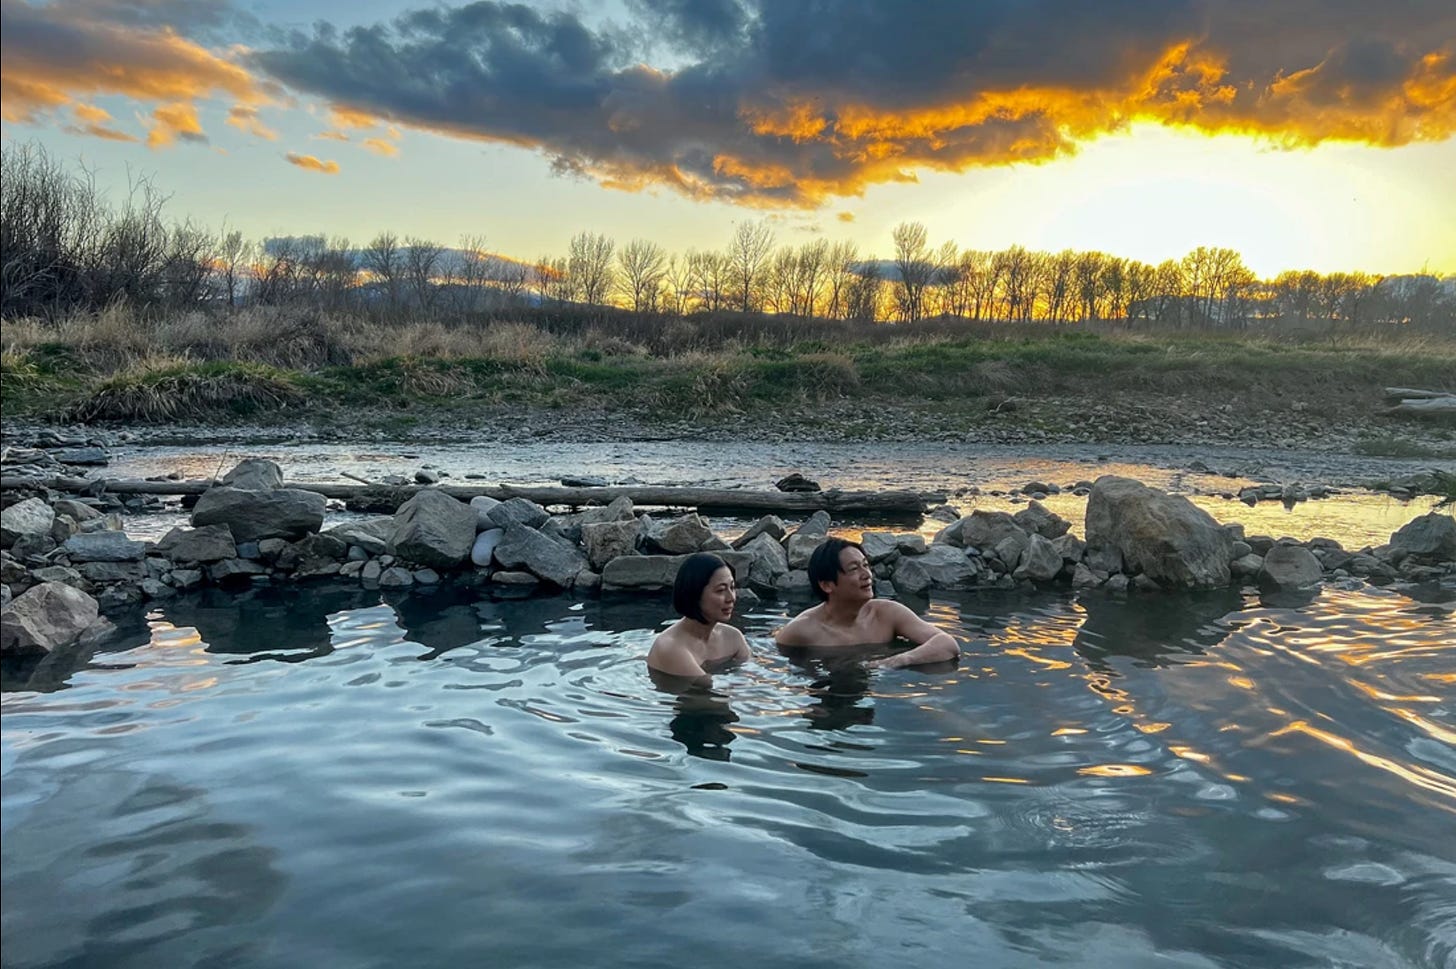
(856, 581)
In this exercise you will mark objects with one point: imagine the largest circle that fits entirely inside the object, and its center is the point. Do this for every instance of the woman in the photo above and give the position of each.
(703, 594)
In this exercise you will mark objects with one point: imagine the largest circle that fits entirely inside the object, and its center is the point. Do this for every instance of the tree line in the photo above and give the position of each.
(64, 249)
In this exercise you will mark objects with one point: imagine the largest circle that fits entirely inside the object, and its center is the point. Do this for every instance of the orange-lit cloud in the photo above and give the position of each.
(245, 118)
(64, 54)
(381, 147)
(313, 164)
(886, 89)
(93, 121)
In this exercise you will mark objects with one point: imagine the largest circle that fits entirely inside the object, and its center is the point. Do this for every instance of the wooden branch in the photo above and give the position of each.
(1406, 393)
(888, 503)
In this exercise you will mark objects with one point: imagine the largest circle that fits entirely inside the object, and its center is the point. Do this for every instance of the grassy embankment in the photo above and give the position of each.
(125, 367)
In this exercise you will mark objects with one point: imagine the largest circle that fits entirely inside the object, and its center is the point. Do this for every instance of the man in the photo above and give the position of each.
(849, 614)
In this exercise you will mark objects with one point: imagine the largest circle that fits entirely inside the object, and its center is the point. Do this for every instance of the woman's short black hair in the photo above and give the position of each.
(693, 577)
(824, 563)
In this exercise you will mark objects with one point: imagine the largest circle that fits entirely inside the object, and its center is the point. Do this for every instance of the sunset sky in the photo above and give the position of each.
(1302, 133)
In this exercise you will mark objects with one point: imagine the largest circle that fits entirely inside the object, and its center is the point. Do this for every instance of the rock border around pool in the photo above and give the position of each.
(250, 530)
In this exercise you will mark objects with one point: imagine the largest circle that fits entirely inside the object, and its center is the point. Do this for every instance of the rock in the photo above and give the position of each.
(59, 573)
(944, 513)
(1084, 578)
(370, 534)
(506, 577)
(525, 548)
(1116, 584)
(153, 589)
(1432, 537)
(607, 540)
(1070, 548)
(396, 577)
(620, 509)
(426, 577)
(879, 546)
(583, 481)
(796, 482)
(679, 536)
(104, 547)
(770, 525)
(313, 555)
(483, 551)
(254, 474)
(435, 529)
(44, 618)
(1040, 562)
(767, 561)
(427, 476)
(234, 570)
(1036, 518)
(371, 571)
(1142, 582)
(82, 455)
(1246, 566)
(799, 547)
(518, 511)
(31, 518)
(980, 529)
(189, 546)
(268, 550)
(185, 579)
(483, 505)
(256, 514)
(1164, 536)
(941, 567)
(816, 524)
(794, 582)
(78, 510)
(1290, 567)
(352, 567)
(645, 572)
(1010, 549)
(588, 582)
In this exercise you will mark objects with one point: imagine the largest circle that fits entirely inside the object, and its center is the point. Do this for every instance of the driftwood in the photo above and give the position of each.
(1406, 393)
(1421, 403)
(888, 503)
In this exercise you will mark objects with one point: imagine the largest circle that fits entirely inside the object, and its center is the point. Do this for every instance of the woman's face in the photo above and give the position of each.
(719, 597)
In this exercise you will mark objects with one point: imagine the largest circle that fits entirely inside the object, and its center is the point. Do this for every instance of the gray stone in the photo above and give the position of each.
(879, 546)
(800, 547)
(254, 474)
(483, 505)
(483, 551)
(396, 578)
(620, 509)
(1035, 518)
(518, 511)
(793, 582)
(588, 582)
(1432, 537)
(979, 529)
(155, 589)
(427, 476)
(1290, 567)
(185, 579)
(232, 569)
(1070, 548)
(767, 561)
(59, 573)
(104, 547)
(770, 525)
(427, 577)
(1040, 562)
(252, 515)
(1084, 578)
(678, 536)
(525, 548)
(644, 572)
(371, 571)
(910, 543)
(269, 549)
(1246, 566)
(63, 528)
(78, 510)
(190, 546)
(816, 524)
(607, 540)
(356, 554)
(1117, 584)
(1010, 550)
(1142, 582)
(82, 455)
(10, 569)
(46, 617)
(941, 567)
(31, 518)
(370, 534)
(313, 555)
(435, 529)
(507, 577)
(1164, 536)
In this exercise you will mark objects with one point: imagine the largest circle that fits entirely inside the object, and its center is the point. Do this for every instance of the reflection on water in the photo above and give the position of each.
(323, 775)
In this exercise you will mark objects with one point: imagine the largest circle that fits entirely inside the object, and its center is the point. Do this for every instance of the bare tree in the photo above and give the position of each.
(915, 269)
(383, 259)
(421, 263)
(589, 263)
(642, 267)
(748, 255)
(863, 296)
(840, 263)
(679, 280)
(233, 255)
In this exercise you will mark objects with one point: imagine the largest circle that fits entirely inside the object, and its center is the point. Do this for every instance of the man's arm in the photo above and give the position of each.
(794, 634)
(932, 645)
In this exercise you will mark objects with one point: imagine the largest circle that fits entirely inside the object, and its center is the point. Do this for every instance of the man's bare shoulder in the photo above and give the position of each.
(801, 630)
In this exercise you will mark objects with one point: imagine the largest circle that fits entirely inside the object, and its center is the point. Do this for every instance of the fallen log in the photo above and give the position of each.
(723, 500)
(1407, 393)
(1426, 406)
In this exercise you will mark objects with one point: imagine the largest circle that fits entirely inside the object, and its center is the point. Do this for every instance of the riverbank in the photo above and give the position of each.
(691, 380)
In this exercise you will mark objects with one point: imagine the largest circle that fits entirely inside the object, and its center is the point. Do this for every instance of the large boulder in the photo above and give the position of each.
(941, 567)
(482, 553)
(1431, 537)
(31, 518)
(46, 617)
(800, 547)
(1041, 560)
(254, 474)
(189, 546)
(517, 511)
(619, 509)
(257, 514)
(766, 561)
(104, 547)
(525, 548)
(370, 534)
(1165, 537)
(980, 529)
(678, 536)
(1037, 519)
(435, 530)
(647, 572)
(483, 505)
(1289, 567)
(771, 525)
(879, 546)
(606, 540)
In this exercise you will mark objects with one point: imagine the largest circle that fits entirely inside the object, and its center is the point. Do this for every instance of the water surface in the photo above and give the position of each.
(325, 775)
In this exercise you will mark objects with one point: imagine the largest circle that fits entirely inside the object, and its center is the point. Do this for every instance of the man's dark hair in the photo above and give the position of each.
(693, 577)
(824, 563)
